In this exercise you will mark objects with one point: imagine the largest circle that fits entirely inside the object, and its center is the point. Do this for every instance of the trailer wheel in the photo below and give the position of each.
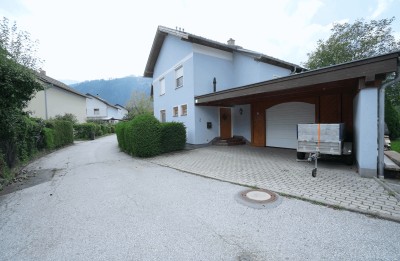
(301, 155)
(314, 172)
(348, 159)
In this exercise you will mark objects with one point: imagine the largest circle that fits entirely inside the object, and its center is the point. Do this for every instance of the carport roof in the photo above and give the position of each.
(371, 69)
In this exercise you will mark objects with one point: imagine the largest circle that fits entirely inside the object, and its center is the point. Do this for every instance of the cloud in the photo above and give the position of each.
(382, 7)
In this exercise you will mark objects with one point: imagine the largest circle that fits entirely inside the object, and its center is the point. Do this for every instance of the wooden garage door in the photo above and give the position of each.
(282, 120)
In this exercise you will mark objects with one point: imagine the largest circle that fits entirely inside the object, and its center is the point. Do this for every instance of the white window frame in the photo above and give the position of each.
(175, 113)
(182, 111)
(161, 115)
(162, 86)
(179, 77)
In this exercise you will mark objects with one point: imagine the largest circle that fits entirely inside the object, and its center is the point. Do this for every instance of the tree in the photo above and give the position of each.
(349, 42)
(18, 84)
(139, 103)
(19, 45)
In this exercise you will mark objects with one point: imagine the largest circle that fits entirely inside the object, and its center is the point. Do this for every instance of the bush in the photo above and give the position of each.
(392, 119)
(63, 133)
(146, 136)
(85, 131)
(120, 131)
(48, 136)
(173, 136)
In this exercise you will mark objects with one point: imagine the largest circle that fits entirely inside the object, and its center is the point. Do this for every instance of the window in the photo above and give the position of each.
(96, 111)
(184, 110)
(162, 116)
(175, 111)
(162, 86)
(179, 77)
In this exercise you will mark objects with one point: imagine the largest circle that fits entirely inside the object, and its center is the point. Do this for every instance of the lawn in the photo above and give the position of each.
(395, 145)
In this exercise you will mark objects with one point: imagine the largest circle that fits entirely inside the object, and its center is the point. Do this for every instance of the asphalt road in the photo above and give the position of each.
(104, 205)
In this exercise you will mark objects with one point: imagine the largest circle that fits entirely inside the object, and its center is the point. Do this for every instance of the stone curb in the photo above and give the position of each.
(361, 211)
(388, 188)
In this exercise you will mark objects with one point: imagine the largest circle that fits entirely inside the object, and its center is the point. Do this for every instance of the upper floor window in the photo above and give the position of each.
(175, 111)
(179, 77)
(162, 86)
(96, 111)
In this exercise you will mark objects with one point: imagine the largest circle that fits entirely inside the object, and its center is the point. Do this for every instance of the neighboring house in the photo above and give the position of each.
(100, 109)
(122, 111)
(222, 90)
(56, 99)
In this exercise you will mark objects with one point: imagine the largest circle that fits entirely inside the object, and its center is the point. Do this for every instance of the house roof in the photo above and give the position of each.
(162, 32)
(119, 105)
(46, 79)
(371, 69)
(102, 100)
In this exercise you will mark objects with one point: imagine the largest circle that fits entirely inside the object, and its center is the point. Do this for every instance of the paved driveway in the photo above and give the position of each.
(277, 169)
(104, 205)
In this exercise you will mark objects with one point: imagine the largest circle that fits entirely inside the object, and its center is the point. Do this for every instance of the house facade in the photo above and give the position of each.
(56, 99)
(224, 90)
(100, 109)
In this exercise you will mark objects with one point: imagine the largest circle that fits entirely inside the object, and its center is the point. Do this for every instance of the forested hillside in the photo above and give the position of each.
(115, 91)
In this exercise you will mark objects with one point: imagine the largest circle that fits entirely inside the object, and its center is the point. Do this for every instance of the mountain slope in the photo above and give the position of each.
(115, 91)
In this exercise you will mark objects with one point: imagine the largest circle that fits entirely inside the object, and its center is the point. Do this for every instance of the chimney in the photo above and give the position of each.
(231, 41)
(42, 72)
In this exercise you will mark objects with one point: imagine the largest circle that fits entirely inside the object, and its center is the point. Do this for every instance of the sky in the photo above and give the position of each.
(101, 39)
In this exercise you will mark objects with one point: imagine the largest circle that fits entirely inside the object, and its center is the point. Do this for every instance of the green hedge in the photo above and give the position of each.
(48, 136)
(120, 131)
(63, 133)
(85, 130)
(173, 136)
(145, 136)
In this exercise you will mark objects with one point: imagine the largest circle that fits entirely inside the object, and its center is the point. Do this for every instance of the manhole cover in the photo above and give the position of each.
(258, 198)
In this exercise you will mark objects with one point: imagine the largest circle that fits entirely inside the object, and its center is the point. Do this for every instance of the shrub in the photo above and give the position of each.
(63, 133)
(120, 131)
(85, 130)
(129, 136)
(173, 136)
(48, 136)
(392, 119)
(145, 136)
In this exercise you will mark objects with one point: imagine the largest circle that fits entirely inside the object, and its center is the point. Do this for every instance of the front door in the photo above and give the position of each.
(225, 123)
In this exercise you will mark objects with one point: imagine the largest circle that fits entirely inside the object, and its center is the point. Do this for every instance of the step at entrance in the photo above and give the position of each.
(229, 142)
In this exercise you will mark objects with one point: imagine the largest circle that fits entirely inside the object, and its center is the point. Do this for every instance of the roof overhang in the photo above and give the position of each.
(371, 69)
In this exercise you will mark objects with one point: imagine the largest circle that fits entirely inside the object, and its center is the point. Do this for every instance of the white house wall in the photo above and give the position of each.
(365, 131)
(92, 104)
(59, 102)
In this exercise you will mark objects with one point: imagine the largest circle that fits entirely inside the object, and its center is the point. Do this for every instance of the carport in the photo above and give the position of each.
(346, 93)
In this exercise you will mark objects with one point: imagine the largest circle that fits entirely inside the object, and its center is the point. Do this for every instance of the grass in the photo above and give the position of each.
(395, 145)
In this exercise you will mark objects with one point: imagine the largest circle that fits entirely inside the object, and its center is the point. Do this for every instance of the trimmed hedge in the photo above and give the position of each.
(173, 136)
(48, 136)
(145, 133)
(63, 133)
(145, 136)
(85, 130)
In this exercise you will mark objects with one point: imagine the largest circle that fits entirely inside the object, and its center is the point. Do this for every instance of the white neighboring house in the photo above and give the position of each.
(122, 111)
(99, 109)
(56, 98)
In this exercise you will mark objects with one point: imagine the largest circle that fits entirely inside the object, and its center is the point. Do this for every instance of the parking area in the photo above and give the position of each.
(278, 170)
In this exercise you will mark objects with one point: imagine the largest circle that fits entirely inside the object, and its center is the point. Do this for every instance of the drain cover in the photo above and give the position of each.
(258, 198)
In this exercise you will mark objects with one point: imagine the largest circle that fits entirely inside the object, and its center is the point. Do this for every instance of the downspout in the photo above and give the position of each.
(381, 120)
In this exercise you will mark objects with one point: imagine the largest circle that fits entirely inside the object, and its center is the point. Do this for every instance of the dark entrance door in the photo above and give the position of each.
(225, 123)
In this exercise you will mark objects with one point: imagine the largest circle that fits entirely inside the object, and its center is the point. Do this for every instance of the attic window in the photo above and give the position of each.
(162, 86)
(179, 77)
(96, 111)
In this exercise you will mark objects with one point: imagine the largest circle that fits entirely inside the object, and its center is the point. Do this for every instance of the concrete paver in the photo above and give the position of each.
(277, 170)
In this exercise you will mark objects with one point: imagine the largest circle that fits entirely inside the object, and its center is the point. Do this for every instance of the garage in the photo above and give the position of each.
(282, 120)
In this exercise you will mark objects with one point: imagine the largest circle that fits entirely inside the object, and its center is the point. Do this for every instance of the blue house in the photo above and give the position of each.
(222, 90)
